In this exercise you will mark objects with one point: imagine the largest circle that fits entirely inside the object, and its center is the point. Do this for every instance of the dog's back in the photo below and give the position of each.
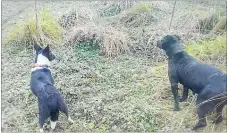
(197, 75)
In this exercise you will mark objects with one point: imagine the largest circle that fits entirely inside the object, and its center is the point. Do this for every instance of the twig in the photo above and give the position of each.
(36, 21)
(172, 14)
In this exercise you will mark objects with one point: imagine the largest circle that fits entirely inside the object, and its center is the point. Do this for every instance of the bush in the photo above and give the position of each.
(207, 48)
(139, 15)
(78, 17)
(25, 33)
(110, 41)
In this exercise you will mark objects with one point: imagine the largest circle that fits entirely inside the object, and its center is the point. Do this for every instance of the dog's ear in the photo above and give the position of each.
(178, 38)
(47, 48)
(37, 47)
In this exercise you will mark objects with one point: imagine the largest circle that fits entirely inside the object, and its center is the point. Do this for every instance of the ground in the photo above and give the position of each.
(126, 93)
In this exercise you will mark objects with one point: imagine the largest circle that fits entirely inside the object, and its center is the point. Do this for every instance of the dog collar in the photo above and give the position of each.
(38, 65)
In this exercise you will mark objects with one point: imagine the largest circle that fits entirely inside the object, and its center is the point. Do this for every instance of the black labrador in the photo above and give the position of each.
(205, 80)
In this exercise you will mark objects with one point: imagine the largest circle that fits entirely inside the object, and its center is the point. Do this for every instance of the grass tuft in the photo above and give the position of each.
(25, 33)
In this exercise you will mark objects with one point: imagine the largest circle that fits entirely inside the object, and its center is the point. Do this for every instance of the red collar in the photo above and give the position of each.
(38, 65)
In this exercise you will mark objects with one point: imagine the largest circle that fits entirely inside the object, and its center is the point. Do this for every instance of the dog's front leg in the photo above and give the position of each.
(185, 94)
(174, 80)
(174, 88)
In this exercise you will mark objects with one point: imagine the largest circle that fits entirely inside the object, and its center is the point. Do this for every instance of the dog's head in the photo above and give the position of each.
(170, 43)
(43, 56)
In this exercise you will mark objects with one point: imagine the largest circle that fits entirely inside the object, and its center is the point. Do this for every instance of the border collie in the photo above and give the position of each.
(50, 101)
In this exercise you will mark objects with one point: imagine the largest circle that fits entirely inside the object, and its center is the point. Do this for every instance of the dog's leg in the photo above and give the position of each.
(175, 95)
(174, 88)
(219, 117)
(43, 113)
(202, 120)
(54, 119)
(185, 94)
(202, 110)
(41, 123)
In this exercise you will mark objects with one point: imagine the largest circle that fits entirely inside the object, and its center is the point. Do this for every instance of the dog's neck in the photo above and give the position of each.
(41, 63)
(177, 48)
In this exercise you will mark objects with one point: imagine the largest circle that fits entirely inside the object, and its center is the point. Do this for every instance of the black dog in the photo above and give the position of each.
(205, 80)
(42, 85)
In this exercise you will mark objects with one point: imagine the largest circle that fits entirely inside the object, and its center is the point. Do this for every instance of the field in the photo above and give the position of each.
(111, 90)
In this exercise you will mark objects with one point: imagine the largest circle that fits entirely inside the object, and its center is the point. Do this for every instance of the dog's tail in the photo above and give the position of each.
(62, 106)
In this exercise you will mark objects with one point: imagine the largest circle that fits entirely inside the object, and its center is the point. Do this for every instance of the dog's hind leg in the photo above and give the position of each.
(218, 110)
(43, 113)
(202, 120)
(42, 119)
(54, 119)
(203, 108)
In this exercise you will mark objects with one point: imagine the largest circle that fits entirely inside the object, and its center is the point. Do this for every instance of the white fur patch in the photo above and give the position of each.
(42, 60)
(41, 130)
(53, 124)
(69, 119)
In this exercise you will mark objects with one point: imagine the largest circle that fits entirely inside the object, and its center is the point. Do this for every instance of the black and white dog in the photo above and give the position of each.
(205, 80)
(50, 101)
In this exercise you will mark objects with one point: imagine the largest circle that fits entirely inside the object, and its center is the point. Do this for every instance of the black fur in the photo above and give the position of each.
(205, 80)
(50, 101)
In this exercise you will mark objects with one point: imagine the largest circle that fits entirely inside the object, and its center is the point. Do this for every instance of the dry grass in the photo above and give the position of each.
(111, 42)
(77, 17)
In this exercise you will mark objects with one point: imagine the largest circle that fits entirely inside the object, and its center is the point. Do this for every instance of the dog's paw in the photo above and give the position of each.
(53, 124)
(198, 125)
(41, 130)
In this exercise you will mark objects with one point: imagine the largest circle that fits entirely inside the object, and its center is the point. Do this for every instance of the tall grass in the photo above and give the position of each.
(25, 32)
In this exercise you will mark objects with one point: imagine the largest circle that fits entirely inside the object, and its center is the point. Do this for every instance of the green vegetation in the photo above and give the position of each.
(206, 48)
(139, 15)
(141, 8)
(25, 33)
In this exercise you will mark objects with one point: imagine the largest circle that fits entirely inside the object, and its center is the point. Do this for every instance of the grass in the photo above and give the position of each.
(103, 94)
(205, 48)
(25, 33)
(130, 92)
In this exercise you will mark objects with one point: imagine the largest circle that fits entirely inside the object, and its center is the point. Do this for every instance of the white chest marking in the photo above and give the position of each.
(42, 60)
